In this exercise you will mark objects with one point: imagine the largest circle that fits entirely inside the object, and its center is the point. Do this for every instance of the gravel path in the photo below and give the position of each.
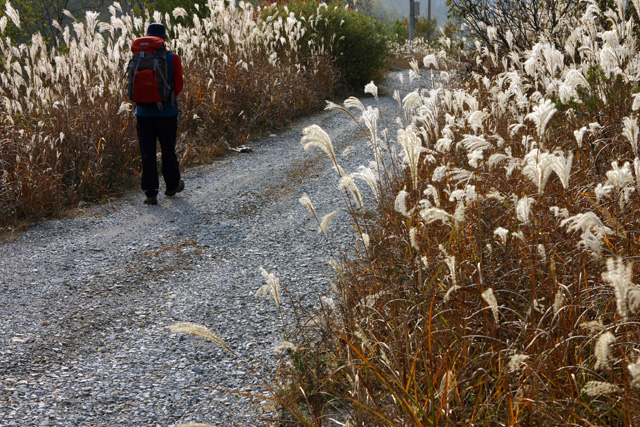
(85, 302)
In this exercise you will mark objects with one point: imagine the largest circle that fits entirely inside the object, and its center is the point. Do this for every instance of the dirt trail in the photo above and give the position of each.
(85, 302)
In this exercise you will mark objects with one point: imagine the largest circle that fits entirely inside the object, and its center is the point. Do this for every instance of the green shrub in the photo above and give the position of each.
(358, 43)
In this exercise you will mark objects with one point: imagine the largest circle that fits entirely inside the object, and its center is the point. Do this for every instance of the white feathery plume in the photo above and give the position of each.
(370, 176)
(372, 89)
(179, 12)
(476, 120)
(516, 362)
(412, 101)
(558, 301)
(523, 209)
(593, 326)
(542, 252)
(597, 388)
(413, 232)
(430, 61)
(353, 102)
(620, 177)
(272, 287)
(602, 350)
(592, 229)
(559, 212)
(414, 73)
(631, 131)
(541, 115)
(4, 21)
(618, 276)
(490, 298)
(636, 102)
(412, 147)
(575, 78)
(636, 170)
(197, 330)
(634, 372)
(458, 174)
(400, 204)
(325, 222)
(366, 240)
(370, 117)
(450, 261)
(315, 136)
(347, 182)
(579, 134)
(306, 201)
(12, 14)
(284, 346)
(502, 233)
(432, 214)
(125, 107)
(433, 192)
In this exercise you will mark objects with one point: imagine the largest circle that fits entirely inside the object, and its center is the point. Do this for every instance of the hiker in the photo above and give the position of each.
(155, 81)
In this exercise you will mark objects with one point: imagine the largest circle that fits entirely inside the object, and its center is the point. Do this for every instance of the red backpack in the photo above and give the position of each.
(148, 79)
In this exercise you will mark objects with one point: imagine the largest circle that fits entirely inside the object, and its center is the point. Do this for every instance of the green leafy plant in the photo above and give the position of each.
(358, 43)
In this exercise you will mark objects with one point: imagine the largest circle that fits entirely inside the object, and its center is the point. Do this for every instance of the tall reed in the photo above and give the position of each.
(68, 132)
(499, 286)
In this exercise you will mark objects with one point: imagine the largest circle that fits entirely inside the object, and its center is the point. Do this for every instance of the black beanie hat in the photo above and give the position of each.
(156, 30)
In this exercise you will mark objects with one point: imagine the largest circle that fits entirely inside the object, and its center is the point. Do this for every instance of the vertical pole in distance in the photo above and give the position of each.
(412, 19)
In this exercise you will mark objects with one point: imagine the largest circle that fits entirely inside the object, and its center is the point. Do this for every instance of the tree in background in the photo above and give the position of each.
(425, 28)
(517, 23)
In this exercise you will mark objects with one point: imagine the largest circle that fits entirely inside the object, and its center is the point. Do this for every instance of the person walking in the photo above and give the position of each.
(158, 121)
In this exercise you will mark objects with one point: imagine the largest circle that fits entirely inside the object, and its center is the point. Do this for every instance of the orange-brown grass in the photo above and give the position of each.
(405, 352)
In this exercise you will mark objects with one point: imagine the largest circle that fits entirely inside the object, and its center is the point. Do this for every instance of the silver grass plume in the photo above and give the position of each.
(501, 232)
(539, 165)
(579, 134)
(618, 276)
(371, 176)
(541, 115)
(490, 298)
(306, 201)
(636, 170)
(634, 372)
(400, 204)
(592, 230)
(372, 89)
(199, 331)
(516, 362)
(597, 388)
(326, 220)
(284, 346)
(12, 14)
(347, 183)
(523, 209)
(602, 350)
(412, 147)
(272, 287)
(315, 136)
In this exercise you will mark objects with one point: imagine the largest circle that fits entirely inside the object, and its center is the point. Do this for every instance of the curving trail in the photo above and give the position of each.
(85, 302)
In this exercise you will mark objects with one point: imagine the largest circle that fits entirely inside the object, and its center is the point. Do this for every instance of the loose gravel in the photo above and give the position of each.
(86, 302)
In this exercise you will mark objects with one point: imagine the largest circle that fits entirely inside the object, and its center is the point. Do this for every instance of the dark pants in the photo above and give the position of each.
(150, 130)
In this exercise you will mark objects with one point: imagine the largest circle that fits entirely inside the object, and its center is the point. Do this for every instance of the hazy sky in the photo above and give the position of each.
(401, 7)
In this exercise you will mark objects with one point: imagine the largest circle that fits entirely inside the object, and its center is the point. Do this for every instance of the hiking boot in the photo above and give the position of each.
(151, 200)
(173, 192)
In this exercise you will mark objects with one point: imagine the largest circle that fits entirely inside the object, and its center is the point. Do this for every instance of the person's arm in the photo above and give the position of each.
(177, 75)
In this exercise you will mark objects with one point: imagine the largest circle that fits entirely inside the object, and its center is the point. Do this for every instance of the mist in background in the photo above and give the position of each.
(400, 8)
